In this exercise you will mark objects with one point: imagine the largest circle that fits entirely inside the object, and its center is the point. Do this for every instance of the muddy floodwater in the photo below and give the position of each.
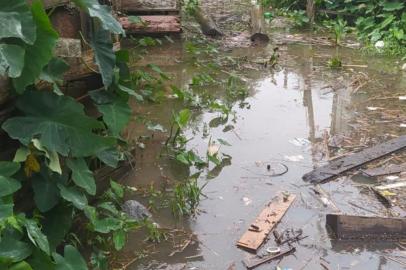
(289, 120)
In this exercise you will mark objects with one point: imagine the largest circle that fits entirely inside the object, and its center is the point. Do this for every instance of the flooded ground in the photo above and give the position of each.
(293, 115)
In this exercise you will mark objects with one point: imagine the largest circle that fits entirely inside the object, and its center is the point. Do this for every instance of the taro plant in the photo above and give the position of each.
(58, 143)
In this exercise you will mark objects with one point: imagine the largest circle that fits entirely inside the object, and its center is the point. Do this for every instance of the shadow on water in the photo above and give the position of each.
(290, 110)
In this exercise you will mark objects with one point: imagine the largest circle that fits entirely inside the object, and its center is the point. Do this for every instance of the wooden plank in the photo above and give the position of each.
(355, 160)
(265, 223)
(138, 6)
(385, 170)
(353, 227)
(152, 24)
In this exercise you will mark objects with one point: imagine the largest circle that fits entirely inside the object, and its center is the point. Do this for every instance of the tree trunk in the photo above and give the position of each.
(311, 11)
(258, 31)
(207, 23)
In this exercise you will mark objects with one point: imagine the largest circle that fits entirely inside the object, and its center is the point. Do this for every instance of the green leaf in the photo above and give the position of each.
(6, 210)
(8, 186)
(104, 55)
(38, 54)
(56, 225)
(59, 123)
(106, 225)
(8, 168)
(13, 250)
(72, 260)
(20, 266)
(117, 189)
(16, 21)
(110, 157)
(21, 154)
(73, 195)
(52, 156)
(223, 142)
(53, 73)
(36, 236)
(40, 261)
(81, 175)
(387, 21)
(11, 60)
(103, 13)
(46, 192)
(392, 6)
(182, 118)
(116, 116)
(119, 238)
(131, 92)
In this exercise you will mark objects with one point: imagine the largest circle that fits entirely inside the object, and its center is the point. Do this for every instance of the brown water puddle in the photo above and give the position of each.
(291, 111)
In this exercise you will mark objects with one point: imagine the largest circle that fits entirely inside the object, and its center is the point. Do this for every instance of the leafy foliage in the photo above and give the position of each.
(58, 141)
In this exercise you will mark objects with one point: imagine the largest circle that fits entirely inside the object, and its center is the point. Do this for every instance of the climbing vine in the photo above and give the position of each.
(58, 142)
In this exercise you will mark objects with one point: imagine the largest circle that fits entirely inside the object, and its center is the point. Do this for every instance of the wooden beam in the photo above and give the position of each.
(152, 24)
(139, 6)
(385, 170)
(353, 227)
(265, 223)
(344, 164)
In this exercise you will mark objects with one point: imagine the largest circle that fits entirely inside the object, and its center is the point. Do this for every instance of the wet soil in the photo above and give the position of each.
(301, 114)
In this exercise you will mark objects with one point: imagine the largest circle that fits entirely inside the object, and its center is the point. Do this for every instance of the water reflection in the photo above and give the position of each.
(303, 99)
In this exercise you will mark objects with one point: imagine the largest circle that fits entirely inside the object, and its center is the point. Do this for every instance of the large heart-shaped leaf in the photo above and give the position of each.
(36, 236)
(46, 192)
(16, 21)
(8, 186)
(8, 168)
(103, 13)
(57, 224)
(81, 175)
(40, 261)
(59, 123)
(116, 115)
(13, 250)
(73, 195)
(11, 60)
(72, 260)
(38, 54)
(105, 57)
(6, 210)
